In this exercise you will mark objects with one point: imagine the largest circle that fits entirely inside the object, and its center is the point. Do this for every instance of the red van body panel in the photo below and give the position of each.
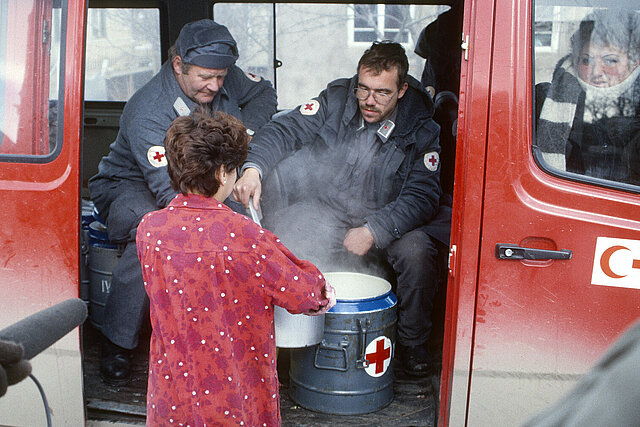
(518, 333)
(39, 260)
(521, 331)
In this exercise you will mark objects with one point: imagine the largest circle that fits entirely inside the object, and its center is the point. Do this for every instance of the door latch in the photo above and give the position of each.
(510, 251)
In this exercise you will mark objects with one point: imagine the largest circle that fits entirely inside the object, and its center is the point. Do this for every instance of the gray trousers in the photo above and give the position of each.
(316, 233)
(127, 304)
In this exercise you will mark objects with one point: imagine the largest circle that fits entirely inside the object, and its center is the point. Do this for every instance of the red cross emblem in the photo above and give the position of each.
(156, 156)
(378, 354)
(310, 107)
(431, 161)
(253, 77)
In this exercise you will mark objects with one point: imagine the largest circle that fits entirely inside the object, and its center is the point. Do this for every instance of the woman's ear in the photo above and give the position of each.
(221, 175)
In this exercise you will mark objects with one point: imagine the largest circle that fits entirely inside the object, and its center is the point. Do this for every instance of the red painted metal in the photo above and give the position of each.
(467, 211)
(39, 261)
(521, 332)
(516, 331)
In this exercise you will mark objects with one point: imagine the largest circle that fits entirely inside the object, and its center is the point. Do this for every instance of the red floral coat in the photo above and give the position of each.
(213, 277)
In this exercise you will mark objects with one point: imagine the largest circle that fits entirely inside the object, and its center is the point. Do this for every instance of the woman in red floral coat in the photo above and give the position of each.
(213, 277)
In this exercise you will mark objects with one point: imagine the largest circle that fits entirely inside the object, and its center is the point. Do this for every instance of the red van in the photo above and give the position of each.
(544, 261)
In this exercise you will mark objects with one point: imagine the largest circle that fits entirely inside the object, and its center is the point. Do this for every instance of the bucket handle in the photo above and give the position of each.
(362, 361)
(342, 347)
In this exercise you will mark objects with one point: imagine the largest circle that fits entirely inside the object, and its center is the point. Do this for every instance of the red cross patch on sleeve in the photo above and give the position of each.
(310, 107)
(253, 77)
(431, 161)
(156, 156)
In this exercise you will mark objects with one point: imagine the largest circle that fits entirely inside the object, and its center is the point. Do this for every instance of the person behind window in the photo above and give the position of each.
(589, 122)
(213, 277)
(132, 179)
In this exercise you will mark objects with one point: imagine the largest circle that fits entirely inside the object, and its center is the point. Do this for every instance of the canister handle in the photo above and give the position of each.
(324, 345)
(362, 362)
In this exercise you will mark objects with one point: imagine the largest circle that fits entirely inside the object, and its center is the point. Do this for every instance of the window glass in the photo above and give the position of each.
(365, 21)
(123, 52)
(587, 91)
(30, 43)
(317, 43)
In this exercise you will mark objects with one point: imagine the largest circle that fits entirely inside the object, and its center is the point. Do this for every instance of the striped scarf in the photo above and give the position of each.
(567, 90)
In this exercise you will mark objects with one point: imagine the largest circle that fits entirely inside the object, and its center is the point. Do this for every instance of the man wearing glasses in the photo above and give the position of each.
(359, 167)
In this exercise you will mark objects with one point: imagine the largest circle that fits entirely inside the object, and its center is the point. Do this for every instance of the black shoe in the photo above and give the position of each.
(415, 360)
(115, 364)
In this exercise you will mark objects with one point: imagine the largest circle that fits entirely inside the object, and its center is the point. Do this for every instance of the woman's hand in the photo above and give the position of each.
(330, 294)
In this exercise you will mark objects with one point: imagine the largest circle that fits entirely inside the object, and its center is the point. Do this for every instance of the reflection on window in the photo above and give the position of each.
(315, 42)
(543, 33)
(251, 25)
(123, 52)
(373, 22)
(588, 95)
(29, 68)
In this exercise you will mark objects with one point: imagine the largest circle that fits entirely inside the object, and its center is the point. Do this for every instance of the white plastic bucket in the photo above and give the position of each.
(297, 330)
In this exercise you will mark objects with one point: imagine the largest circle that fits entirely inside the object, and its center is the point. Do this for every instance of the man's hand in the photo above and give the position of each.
(247, 186)
(330, 294)
(358, 240)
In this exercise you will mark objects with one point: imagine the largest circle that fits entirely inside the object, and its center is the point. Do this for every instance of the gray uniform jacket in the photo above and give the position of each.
(407, 192)
(148, 115)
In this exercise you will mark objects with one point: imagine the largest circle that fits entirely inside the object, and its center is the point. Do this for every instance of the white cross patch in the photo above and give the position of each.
(310, 107)
(156, 156)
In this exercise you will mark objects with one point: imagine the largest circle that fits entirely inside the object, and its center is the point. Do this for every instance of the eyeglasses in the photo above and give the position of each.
(380, 97)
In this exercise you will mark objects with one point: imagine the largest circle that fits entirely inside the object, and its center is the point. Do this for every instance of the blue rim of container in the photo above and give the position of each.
(364, 305)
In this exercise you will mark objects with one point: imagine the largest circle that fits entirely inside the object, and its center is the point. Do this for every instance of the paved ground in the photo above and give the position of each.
(414, 402)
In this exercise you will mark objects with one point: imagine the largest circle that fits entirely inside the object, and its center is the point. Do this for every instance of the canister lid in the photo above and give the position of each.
(98, 231)
(351, 286)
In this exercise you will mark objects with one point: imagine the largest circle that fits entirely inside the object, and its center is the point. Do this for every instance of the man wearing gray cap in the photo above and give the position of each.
(133, 180)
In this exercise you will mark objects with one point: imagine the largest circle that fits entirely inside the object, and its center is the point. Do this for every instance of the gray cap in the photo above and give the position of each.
(207, 44)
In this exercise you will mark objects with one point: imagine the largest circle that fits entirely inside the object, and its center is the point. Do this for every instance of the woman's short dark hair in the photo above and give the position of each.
(198, 144)
(383, 56)
(609, 27)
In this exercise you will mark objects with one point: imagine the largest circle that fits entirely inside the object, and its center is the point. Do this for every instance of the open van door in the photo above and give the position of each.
(557, 275)
(40, 108)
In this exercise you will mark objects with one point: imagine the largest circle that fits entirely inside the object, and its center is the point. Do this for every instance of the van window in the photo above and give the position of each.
(314, 44)
(587, 92)
(30, 45)
(123, 52)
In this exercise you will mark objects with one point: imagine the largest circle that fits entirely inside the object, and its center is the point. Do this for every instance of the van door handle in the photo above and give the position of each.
(509, 251)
